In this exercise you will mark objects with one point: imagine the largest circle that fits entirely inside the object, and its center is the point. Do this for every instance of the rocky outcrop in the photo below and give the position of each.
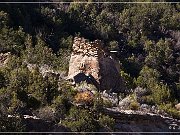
(35, 124)
(91, 62)
(4, 58)
(39, 125)
(178, 106)
(137, 121)
(45, 70)
(126, 121)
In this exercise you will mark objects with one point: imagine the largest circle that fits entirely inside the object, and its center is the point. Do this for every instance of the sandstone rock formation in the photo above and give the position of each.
(92, 63)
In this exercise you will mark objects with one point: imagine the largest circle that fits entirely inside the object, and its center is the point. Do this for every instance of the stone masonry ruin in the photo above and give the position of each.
(90, 62)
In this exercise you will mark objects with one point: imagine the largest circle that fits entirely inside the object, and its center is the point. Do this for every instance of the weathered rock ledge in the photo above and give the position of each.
(125, 121)
(138, 121)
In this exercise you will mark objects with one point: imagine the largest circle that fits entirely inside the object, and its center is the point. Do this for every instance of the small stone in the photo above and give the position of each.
(178, 106)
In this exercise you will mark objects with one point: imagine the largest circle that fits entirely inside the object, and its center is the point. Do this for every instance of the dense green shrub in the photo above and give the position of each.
(134, 105)
(169, 108)
(10, 120)
(61, 107)
(150, 79)
(11, 39)
(80, 120)
(12, 124)
(128, 80)
(107, 122)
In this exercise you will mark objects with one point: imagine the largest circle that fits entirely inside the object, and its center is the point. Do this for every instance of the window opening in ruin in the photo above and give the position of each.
(82, 66)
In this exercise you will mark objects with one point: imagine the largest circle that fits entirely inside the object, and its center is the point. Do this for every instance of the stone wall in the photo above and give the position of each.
(84, 58)
(91, 59)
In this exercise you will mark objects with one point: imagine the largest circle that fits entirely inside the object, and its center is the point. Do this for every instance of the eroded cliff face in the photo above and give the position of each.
(98, 67)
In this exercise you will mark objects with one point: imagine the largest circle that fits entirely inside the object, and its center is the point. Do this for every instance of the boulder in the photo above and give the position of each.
(178, 106)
